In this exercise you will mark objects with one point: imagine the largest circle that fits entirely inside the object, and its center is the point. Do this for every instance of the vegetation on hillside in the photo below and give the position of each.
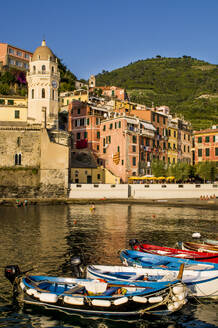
(174, 82)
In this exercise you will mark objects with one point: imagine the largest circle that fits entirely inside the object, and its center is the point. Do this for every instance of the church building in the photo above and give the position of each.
(34, 154)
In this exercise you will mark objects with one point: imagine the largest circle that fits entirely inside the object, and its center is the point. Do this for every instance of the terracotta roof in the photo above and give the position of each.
(206, 131)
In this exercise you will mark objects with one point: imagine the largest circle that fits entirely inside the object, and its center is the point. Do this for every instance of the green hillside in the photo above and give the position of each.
(187, 85)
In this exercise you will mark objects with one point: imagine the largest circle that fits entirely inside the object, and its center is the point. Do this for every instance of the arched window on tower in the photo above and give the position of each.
(32, 93)
(43, 68)
(43, 93)
(34, 69)
(52, 69)
(53, 94)
(17, 159)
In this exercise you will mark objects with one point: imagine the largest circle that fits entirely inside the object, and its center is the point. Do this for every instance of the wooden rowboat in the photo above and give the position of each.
(173, 252)
(196, 247)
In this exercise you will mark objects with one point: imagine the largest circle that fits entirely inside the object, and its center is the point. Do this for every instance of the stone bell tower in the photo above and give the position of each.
(43, 82)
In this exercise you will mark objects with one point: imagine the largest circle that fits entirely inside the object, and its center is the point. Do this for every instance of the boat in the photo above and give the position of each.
(200, 277)
(173, 252)
(211, 242)
(93, 297)
(197, 247)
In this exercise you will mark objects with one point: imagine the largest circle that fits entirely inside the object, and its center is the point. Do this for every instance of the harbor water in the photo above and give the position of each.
(44, 238)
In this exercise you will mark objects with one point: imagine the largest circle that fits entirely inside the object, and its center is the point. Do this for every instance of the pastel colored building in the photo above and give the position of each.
(111, 92)
(123, 141)
(184, 141)
(11, 56)
(66, 98)
(13, 109)
(206, 145)
(84, 124)
(172, 140)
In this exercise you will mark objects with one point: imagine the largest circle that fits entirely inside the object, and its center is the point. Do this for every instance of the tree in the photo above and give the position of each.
(158, 168)
(181, 171)
(207, 170)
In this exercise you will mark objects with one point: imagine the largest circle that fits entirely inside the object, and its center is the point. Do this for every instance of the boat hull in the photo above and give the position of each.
(199, 283)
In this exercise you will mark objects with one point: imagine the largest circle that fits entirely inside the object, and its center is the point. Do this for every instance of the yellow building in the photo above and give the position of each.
(67, 97)
(13, 109)
(172, 142)
(93, 175)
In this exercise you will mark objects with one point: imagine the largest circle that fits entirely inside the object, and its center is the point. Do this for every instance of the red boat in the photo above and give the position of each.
(173, 252)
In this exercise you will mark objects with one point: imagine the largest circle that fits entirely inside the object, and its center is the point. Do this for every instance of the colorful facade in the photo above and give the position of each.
(206, 145)
(172, 141)
(13, 109)
(14, 57)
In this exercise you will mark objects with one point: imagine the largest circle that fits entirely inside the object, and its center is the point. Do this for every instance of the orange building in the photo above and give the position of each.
(11, 56)
(206, 145)
(84, 123)
(112, 92)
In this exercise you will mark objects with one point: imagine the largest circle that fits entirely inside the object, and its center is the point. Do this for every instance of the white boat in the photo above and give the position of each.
(200, 283)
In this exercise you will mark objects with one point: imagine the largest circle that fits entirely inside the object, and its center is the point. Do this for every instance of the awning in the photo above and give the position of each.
(148, 126)
(131, 121)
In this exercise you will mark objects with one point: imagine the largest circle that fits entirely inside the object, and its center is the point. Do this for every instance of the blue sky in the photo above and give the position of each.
(92, 35)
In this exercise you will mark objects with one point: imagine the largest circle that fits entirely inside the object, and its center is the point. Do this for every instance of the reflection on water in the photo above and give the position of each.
(45, 237)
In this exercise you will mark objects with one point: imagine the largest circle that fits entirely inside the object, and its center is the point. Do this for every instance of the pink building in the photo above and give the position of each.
(112, 92)
(123, 148)
(11, 56)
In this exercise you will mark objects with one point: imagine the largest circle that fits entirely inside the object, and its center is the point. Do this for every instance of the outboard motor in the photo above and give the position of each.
(75, 266)
(12, 272)
(133, 242)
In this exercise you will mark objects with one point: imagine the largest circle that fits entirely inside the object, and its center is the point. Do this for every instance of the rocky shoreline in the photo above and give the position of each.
(194, 203)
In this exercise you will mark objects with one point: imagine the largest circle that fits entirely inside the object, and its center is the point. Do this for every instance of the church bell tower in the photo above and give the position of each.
(43, 82)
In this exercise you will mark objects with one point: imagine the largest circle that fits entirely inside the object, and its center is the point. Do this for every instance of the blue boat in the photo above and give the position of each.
(95, 297)
(147, 260)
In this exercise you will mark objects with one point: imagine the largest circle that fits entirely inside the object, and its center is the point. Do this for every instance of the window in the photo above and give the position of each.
(43, 93)
(154, 144)
(97, 147)
(169, 133)
(214, 138)
(97, 120)
(99, 176)
(207, 152)
(26, 56)
(134, 161)
(19, 53)
(78, 111)
(18, 63)
(34, 69)
(147, 142)
(43, 68)
(18, 141)
(216, 151)
(169, 145)
(184, 148)
(184, 136)
(104, 128)
(118, 149)
(52, 69)
(109, 139)
(11, 51)
(87, 121)
(17, 159)
(158, 131)
(134, 139)
(164, 120)
(115, 125)
(207, 139)
(52, 94)
(174, 134)
(78, 136)
(122, 162)
(26, 65)
(188, 149)
(104, 150)
(98, 135)
(103, 142)
(16, 114)
(158, 119)
(85, 135)
(10, 102)
(111, 126)
(134, 149)
(199, 139)
(81, 122)
(174, 161)
(119, 124)
(2, 101)
(11, 61)
(189, 137)
(153, 117)
(169, 160)
(174, 146)
(164, 145)
(199, 152)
